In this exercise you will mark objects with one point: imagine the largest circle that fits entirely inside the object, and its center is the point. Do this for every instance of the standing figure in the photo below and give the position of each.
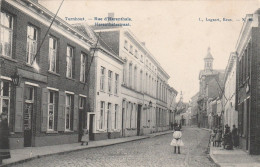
(228, 139)
(85, 137)
(218, 138)
(4, 138)
(213, 137)
(176, 141)
(235, 136)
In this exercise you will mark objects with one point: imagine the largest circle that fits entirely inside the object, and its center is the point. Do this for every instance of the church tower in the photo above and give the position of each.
(208, 61)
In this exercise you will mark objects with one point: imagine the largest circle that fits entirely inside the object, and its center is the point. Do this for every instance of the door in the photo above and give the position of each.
(81, 117)
(139, 120)
(28, 115)
(247, 123)
(27, 121)
(91, 121)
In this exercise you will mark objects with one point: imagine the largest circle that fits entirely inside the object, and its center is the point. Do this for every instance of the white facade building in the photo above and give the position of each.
(230, 114)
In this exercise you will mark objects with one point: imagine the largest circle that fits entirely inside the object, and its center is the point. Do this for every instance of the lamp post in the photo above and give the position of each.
(16, 79)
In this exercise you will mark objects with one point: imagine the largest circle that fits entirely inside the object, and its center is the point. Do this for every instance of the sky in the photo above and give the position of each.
(172, 30)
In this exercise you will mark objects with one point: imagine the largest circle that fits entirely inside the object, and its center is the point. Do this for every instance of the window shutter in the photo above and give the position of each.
(19, 109)
(61, 112)
(44, 109)
(75, 113)
(112, 117)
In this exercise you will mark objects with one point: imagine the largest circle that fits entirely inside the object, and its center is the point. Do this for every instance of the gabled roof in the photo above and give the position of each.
(86, 29)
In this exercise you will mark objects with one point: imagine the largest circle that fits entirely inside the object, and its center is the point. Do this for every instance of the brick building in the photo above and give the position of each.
(49, 105)
(248, 92)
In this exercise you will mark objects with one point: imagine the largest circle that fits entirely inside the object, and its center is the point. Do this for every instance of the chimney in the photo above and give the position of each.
(112, 14)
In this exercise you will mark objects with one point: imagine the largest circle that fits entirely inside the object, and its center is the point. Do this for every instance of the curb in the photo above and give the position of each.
(75, 150)
(213, 159)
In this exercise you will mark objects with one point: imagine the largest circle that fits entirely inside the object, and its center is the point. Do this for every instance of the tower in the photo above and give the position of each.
(208, 61)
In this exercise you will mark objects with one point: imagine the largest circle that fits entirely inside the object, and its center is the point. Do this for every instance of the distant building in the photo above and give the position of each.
(194, 109)
(211, 82)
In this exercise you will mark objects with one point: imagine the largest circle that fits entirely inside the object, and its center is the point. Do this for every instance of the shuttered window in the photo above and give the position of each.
(31, 44)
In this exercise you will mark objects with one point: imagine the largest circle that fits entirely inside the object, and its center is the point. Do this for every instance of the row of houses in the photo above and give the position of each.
(235, 99)
(57, 82)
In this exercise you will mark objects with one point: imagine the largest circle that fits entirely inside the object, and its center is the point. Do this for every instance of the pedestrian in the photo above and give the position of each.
(176, 141)
(213, 137)
(85, 137)
(235, 136)
(171, 125)
(218, 138)
(4, 138)
(228, 139)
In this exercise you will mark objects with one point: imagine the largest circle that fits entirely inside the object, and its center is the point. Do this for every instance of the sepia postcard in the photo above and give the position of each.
(130, 83)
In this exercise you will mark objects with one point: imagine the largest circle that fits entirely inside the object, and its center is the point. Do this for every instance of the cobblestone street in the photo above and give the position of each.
(154, 151)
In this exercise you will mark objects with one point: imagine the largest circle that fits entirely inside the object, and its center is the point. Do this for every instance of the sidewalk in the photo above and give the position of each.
(233, 158)
(26, 154)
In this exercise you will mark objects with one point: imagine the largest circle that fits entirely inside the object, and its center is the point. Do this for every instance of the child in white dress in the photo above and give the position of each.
(176, 141)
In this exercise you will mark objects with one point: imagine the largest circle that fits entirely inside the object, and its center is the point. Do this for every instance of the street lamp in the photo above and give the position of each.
(15, 79)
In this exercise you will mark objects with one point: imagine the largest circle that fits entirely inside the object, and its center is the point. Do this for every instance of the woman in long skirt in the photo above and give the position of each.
(176, 141)
(4, 138)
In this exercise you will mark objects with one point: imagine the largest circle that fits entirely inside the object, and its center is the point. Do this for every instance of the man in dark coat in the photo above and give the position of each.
(4, 138)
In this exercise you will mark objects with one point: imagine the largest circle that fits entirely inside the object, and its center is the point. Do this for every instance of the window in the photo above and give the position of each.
(131, 49)
(31, 44)
(130, 75)
(6, 30)
(116, 83)
(52, 54)
(116, 110)
(51, 110)
(69, 58)
(83, 61)
(5, 98)
(141, 81)
(68, 116)
(124, 73)
(141, 59)
(102, 79)
(126, 45)
(135, 78)
(108, 116)
(101, 119)
(136, 53)
(81, 102)
(109, 81)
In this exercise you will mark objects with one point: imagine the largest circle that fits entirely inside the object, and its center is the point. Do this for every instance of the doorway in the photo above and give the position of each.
(247, 123)
(28, 116)
(139, 120)
(91, 122)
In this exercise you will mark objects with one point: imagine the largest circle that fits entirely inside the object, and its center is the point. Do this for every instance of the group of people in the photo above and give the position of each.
(229, 139)
(4, 138)
(176, 141)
